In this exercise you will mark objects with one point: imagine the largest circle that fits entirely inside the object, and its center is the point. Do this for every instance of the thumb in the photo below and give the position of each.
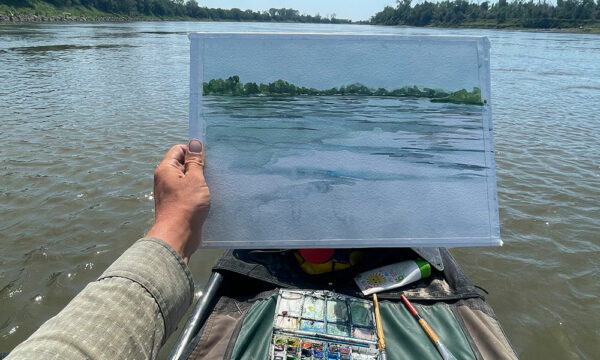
(194, 159)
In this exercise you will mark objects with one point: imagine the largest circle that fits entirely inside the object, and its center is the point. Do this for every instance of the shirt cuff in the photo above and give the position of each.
(160, 270)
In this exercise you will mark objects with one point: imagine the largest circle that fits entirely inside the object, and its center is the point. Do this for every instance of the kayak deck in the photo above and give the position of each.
(237, 310)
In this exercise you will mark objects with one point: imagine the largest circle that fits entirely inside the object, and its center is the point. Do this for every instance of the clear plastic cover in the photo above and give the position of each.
(324, 140)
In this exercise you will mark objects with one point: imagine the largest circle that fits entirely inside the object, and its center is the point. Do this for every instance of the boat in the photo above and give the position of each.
(234, 317)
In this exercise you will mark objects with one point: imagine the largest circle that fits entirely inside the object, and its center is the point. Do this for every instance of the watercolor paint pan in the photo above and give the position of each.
(323, 325)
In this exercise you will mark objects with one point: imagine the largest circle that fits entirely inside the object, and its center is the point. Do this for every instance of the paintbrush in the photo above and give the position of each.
(380, 338)
(446, 354)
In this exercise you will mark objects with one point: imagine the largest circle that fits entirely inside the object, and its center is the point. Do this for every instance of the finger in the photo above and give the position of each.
(194, 160)
(175, 157)
(175, 153)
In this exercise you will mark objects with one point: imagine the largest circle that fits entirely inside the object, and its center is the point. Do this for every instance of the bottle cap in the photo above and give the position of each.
(424, 267)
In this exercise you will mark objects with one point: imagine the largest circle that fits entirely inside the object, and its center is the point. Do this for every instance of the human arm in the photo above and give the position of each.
(136, 304)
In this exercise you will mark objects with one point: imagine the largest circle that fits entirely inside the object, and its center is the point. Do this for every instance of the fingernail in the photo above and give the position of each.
(195, 146)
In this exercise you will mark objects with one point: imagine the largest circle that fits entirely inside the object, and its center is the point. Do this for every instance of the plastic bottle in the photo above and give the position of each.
(392, 276)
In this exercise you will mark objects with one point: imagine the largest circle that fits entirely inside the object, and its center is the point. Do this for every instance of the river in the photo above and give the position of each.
(88, 110)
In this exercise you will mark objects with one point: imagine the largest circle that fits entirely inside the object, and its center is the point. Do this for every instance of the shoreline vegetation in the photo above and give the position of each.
(564, 16)
(23, 11)
(233, 87)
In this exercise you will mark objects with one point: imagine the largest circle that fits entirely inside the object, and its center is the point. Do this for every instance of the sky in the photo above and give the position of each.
(332, 62)
(343, 9)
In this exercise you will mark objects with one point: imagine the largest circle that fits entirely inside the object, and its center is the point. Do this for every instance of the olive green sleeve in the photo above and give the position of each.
(128, 313)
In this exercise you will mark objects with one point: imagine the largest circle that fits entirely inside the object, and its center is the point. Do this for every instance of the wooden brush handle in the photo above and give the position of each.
(432, 335)
(380, 338)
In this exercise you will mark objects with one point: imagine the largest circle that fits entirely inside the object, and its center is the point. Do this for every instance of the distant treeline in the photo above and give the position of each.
(518, 13)
(179, 8)
(233, 87)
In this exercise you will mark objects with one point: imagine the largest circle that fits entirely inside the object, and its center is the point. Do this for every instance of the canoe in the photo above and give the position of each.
(234, 318)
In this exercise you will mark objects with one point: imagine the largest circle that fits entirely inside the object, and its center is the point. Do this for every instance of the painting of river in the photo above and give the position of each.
(345, 169)
(345, 141)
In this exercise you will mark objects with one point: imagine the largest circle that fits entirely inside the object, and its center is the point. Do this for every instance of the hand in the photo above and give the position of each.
(181, 198)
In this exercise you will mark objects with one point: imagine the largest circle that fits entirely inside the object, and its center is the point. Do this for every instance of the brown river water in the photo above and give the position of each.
(88, 110)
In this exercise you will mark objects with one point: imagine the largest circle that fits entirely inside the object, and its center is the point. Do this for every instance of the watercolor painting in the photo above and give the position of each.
(316, 140)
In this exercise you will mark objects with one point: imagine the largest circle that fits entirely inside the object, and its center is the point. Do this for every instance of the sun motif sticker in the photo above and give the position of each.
(376, 279)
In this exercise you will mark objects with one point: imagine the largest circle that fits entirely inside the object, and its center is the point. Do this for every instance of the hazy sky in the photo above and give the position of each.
(330, 61)
(348, 9)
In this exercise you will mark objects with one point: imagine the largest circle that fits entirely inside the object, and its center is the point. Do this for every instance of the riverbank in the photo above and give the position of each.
(46, 13)
(593, 28)
(18, 19)
(40, 11)
(588, 29)
(29, 19)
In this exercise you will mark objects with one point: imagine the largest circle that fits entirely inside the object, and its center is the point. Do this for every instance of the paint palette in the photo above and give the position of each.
(323, 325)
(285, 347)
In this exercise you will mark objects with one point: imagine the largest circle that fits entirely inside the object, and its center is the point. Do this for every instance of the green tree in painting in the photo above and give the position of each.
(232, 86)
(251, 89)
(462, 97)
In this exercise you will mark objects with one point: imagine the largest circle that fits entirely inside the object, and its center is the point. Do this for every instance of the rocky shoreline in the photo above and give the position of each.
(26, 19)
